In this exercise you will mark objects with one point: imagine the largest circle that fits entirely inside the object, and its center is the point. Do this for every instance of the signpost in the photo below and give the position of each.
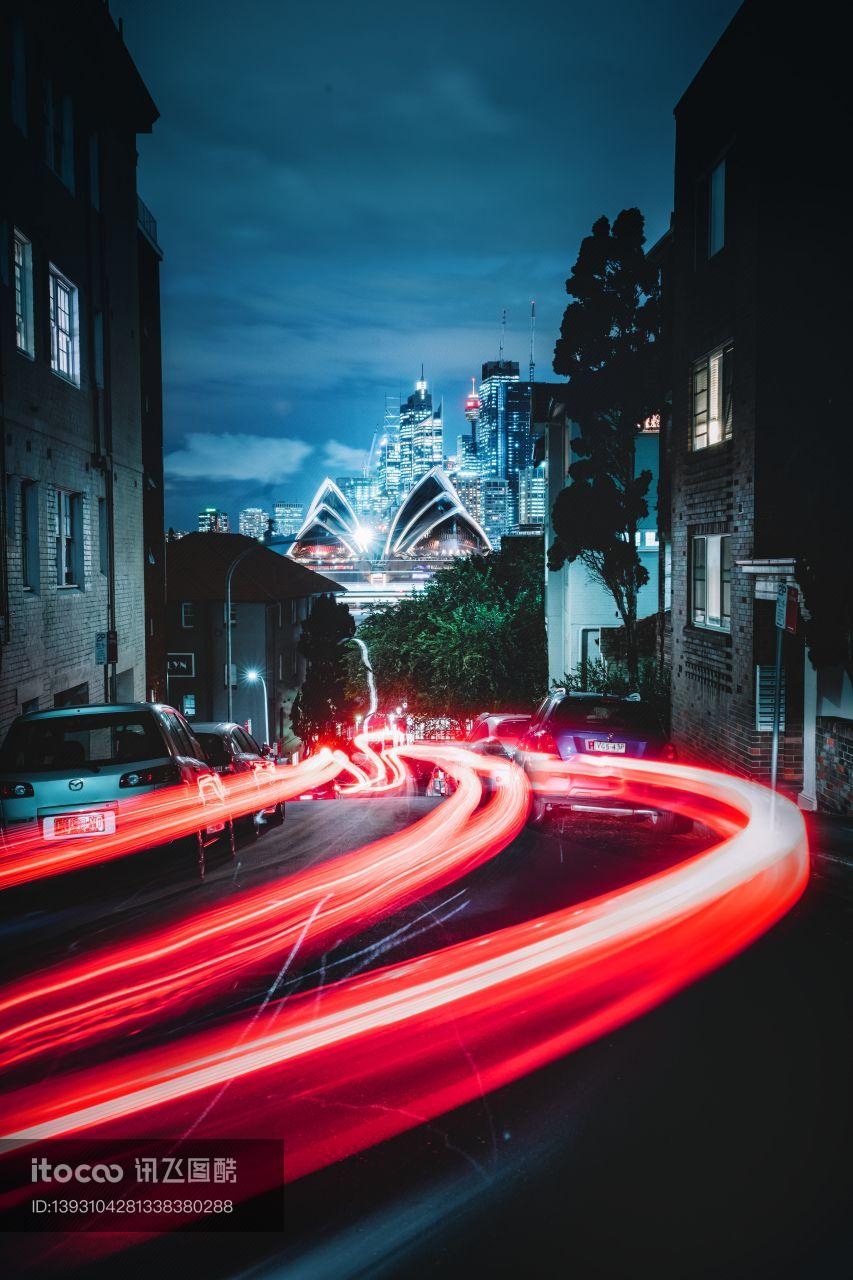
(786, 620)
(106, 655)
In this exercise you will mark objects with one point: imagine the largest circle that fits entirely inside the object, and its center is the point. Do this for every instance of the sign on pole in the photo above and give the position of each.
(786, 608)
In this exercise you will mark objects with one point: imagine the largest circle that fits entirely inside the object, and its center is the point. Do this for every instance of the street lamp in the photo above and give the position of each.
(254, 677)
(228, 576)
(371, 683)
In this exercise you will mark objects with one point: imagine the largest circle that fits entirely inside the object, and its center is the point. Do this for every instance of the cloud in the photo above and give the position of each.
(235, 457)
(344, 457)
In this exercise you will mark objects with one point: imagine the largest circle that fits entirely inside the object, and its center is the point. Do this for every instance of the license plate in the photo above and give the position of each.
(615, 748)
(69, 826)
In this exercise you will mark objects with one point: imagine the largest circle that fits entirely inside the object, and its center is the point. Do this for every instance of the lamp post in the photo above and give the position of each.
(228, 576)
(255, 677)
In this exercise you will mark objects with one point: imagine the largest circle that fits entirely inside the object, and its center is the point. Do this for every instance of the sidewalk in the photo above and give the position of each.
(831, 844)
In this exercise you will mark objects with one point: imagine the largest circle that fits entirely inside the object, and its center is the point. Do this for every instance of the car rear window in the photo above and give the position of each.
(512, 728)
(593, 713)
(69, 742)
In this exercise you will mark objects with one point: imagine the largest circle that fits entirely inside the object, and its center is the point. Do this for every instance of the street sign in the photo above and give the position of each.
(106, 647)
(180, 664)
(786, 608)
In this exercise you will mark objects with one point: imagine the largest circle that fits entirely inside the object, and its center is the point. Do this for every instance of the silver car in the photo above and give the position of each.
(72, 770)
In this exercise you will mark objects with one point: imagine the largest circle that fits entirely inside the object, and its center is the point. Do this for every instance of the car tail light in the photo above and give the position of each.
(540, 740)
(669, 752)
(15, 790)
(157, 775)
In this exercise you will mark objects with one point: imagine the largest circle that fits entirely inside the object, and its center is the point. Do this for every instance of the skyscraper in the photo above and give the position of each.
(503, 425)
(287, 518)
(212, 520)
(421, 436)
(253, 522)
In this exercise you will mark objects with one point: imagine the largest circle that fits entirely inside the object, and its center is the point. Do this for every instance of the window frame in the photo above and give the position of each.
(711, 569)
(57, 281)
(187, 605)
(716, 208)
(22, 273)
(716, 368)
(69, 544)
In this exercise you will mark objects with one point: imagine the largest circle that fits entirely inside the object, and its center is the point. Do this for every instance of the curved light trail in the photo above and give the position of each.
(393, 1048)
(166, 971)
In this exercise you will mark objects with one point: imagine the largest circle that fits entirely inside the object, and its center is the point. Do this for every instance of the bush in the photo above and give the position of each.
(599, 676)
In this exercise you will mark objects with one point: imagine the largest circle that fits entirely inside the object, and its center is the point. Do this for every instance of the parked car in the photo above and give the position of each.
(602, 725)
(232, 750)
(74, 769)
(498, 733)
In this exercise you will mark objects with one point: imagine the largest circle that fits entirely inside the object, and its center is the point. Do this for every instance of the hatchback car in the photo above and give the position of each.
(601, 725)
(73, 770)
(232, 750)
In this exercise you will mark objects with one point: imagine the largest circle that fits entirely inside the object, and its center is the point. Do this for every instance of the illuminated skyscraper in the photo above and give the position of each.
(212, 520)
(253, 522)
(421, 436)
(287, 518)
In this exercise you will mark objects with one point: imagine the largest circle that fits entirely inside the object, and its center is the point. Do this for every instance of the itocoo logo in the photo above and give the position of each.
(43, 1171)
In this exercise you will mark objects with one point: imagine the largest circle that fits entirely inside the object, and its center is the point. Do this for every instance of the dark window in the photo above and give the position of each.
(599, 713)
(29, 536)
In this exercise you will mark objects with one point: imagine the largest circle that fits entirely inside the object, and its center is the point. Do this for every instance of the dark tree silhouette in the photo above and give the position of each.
(610, 350)
(322, 702)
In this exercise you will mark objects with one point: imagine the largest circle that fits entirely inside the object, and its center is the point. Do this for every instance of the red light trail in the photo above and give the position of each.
(165, 971)
(332, 1072)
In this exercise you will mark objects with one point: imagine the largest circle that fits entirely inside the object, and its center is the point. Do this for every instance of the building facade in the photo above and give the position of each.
(78, 383)
(286, 518)
(253, 522)
(421, 436)
(757, 430)
(271, 596)
(212, 520)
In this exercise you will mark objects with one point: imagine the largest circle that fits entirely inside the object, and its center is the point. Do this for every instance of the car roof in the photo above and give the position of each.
(94, 708)
(215, 726)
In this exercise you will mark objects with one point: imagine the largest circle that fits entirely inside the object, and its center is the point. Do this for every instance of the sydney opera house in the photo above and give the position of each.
(430, 527)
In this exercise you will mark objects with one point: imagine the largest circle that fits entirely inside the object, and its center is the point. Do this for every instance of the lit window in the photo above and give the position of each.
(188, 704)
(69, 559)
(717, 209)
(24, 333)
(187, 615)
(64, 328)
(711, 581)
(711, 409)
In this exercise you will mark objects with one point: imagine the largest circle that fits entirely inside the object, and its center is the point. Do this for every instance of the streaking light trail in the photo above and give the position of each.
(169, 970)
(394, 1048)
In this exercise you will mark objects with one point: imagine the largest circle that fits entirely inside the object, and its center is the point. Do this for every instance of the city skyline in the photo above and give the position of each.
(316, 265)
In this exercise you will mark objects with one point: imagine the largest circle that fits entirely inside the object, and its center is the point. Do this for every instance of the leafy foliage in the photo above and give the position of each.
(653, 683)
(323, 701)
(473, 640)
(610, 350)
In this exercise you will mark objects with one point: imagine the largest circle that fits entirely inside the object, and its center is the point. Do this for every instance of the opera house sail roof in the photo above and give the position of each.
(431, 524)
(432, 521)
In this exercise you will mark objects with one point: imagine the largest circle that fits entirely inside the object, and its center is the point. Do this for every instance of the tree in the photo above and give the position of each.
(474, 639)
(610, 350)
(323, 701)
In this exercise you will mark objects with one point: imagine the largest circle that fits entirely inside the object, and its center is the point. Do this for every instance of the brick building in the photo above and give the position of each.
(75, 385)
(271, 596)
(757, 357)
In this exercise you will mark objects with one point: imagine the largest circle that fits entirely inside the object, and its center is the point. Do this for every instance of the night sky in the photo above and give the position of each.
(344, 192)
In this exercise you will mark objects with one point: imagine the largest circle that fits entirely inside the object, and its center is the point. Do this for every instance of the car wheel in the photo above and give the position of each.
(538, 813)
(276, 817)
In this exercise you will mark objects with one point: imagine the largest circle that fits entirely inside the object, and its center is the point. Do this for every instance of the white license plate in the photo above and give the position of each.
(615, 748)
(72, 826)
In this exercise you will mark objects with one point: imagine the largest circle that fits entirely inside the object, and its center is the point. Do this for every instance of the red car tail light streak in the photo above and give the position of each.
(168, 970)
(382, 1052)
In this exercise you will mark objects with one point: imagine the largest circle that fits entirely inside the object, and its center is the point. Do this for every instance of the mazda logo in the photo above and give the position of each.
(76, 784)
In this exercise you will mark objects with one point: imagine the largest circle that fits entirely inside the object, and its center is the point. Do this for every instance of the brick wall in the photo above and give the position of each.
(835, 765)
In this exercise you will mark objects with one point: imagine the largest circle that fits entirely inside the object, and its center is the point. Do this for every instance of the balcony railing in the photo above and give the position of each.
(147, 224)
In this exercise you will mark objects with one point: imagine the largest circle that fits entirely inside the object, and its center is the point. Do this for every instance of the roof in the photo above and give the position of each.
(197, 567)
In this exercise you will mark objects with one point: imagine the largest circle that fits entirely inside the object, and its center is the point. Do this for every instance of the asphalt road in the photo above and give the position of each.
(710, 1138)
